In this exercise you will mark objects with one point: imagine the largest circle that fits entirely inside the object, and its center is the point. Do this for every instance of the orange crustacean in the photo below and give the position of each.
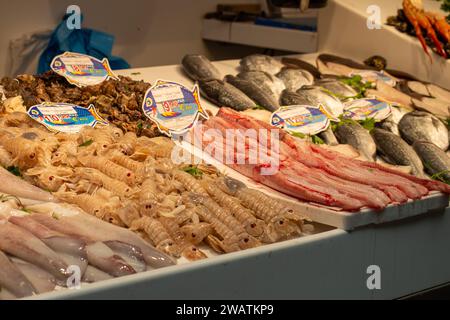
(420, 18)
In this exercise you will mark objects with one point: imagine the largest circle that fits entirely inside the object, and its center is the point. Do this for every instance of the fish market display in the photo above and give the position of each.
(435, 161)
(260, 62)
(416, 21)
(262, 98)
(224, 93)
(396, 151)
(315, 174)
(198, 67)
(354, 134)
(419, 125)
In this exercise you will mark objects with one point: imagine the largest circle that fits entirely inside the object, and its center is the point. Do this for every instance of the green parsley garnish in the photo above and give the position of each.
(86, 143)
(193, 171)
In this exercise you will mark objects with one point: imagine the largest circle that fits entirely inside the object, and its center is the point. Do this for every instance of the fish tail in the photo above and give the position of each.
(111, 74)
(97, 117)
(196, 95)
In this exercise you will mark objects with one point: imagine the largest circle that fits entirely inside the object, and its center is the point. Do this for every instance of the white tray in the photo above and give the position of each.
(331, 216)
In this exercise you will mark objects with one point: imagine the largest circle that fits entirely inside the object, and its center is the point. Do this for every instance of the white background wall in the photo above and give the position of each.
(148, 32)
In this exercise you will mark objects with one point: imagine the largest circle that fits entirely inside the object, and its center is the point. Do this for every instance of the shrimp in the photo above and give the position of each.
(282, 222)
(102, 138)
(92, 204)
(17, 119)
(188, 181)
(24, 151)
(254, 227)
(6, 159)
(188, 250)
(230, 240)
(128, 213)
(95, 176)
(121, 159)
(245, 240)
(148, 197)
(162, 149)
(195, 233)
(66, 154)
(127, 143)
(157, 234)
(109, 168)
(50, 178)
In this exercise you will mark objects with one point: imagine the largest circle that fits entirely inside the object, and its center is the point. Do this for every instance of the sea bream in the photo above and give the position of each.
(198, 67)
(266, 81)
(225, 94)
(294, 79)
(262, 98)
(354, 134)
(319, 97)
(337, 87)
(396, 151)
(423, 126)
(260, 62)
(434, 159)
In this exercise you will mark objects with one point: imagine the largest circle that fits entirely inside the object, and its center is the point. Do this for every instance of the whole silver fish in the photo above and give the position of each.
(317, 96)
(262, 98)
(198, 67)
(337, 87)
(419, 125)
(435, 161)
(266, 81)
(391, 123)
(224, 94)
(328, 137)
(359, 138)
(396, 151)
(260, 62)
(294, 79)
(291, 98)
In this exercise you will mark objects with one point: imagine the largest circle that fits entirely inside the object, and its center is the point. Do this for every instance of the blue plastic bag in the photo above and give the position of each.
(92, 42)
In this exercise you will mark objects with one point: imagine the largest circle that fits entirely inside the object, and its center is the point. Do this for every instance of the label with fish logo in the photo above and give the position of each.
(173, 107)
(65, 117)
(363, 109)
(373, 76)
(82, 70)
(302, 119)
